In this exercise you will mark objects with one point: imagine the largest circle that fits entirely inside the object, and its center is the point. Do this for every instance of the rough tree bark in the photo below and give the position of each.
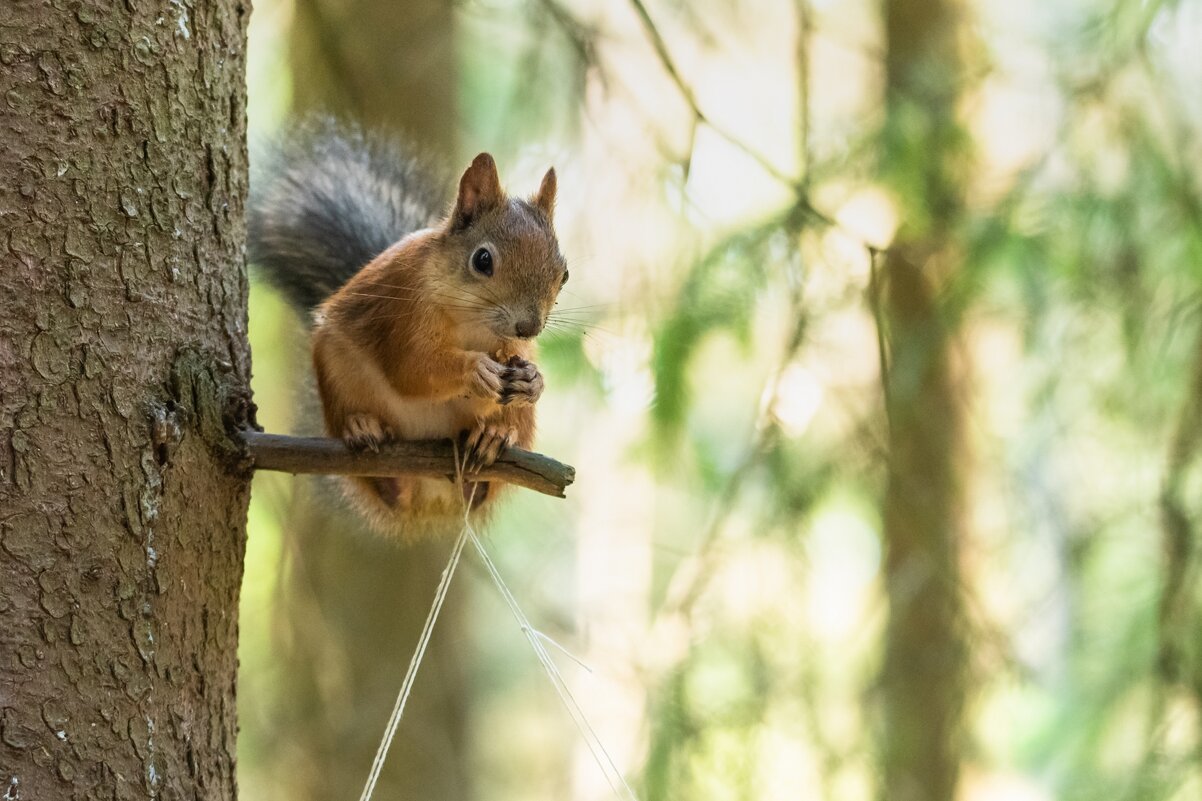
(122, 330)
(922, 678)
(353, 604)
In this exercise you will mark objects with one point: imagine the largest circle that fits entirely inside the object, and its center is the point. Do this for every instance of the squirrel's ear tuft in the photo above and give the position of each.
(545, 199)
(479, 191)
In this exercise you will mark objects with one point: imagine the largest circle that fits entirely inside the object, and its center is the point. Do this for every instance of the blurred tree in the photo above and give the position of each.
(352, 604)
(382, 64)
(922, 676)
(1074, 266)
(1179, 657)
(122, 339)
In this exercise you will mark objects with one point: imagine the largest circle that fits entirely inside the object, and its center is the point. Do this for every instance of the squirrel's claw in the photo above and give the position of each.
(523, 382)
(484, 444)
(487, 380)
(364, 431)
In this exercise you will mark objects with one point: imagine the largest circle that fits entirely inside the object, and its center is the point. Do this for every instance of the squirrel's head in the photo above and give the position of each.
(504, 269)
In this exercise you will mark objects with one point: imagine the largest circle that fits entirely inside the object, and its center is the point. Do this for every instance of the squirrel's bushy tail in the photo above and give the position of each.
(325, 199)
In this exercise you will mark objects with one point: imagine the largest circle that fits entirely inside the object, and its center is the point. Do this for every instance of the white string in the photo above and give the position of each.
(562, 650)
(407, 685)
(440, 595)
(534, 637)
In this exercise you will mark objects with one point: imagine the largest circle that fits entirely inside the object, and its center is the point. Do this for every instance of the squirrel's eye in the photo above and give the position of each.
(563, 280)
(482, 261)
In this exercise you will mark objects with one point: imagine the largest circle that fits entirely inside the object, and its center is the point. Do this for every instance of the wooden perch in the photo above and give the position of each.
(434, 458)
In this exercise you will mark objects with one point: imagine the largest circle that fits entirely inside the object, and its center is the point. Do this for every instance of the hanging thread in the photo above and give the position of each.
(605, 762)
(419, 653)
(617, 782)
(398, 709)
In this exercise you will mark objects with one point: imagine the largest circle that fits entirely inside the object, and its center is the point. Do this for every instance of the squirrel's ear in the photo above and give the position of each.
(479, 191)
(545, 199)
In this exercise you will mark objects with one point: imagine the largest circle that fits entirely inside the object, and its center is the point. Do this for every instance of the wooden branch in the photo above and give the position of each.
(434, 458)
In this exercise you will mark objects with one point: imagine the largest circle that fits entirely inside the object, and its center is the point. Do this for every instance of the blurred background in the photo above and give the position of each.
(884, 391)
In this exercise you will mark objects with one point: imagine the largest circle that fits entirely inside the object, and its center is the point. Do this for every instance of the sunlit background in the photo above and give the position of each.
(884, 392)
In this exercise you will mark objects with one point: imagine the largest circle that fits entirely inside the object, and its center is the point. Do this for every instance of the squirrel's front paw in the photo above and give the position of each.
(523, 383)
(487, 378)
(485, 443)
(363, 431)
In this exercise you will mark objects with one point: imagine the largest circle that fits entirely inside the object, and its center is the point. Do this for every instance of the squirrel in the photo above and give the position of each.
(423, 323)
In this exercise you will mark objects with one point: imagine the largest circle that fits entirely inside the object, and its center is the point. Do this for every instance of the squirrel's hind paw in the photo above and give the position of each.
(364, 431)
(475, 493)
(485, 443)
(387, 488)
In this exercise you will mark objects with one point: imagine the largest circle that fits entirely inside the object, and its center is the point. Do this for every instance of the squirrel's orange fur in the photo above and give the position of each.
(423, 344)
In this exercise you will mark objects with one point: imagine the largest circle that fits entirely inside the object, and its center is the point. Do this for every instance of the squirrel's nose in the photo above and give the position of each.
(528, 328)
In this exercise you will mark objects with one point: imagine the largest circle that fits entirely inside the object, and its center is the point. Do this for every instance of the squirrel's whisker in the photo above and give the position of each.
(492, 299)
(569, 314)
(417, 293)
(583, 332)
(588, 306)
(394, 297)
(460, 302)
(583, 325)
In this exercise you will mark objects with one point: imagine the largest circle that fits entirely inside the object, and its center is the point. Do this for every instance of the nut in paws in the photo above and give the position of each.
(523, 383)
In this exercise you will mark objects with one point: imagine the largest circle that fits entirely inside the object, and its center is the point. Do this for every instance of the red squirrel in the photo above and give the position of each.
(423, 326)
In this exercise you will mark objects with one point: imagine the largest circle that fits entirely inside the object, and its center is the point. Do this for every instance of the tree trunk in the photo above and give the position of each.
(353, 604)
(122, 336)
(1179, 654)
(922, 679)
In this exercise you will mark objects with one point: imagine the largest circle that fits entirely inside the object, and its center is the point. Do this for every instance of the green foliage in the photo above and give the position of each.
(1070, 283)
(718, 294)
(562, 355)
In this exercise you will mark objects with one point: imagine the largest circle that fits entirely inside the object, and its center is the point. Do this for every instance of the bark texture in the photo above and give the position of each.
(122, 329)
(352, 604)
(922, 679)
